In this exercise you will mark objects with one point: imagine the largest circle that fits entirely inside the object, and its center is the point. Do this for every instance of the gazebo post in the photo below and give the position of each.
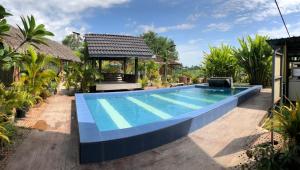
(136, 63)
(124, 66)
(100, 65)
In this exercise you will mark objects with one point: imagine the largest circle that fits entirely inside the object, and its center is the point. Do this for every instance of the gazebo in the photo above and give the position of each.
(121, 48)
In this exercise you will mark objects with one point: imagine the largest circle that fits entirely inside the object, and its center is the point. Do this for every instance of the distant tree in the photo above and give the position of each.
(255, 56)
(162, 47)
(220, 62)
(73, 41)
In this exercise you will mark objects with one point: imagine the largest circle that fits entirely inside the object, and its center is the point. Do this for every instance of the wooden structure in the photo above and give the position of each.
(117, 48)
(286, 61)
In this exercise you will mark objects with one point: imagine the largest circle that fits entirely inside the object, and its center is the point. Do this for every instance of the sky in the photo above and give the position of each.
(194, 25)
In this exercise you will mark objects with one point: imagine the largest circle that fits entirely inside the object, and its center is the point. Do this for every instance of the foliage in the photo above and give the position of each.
(162, 47)
(266, 157)
(32, 33)
(35, 74)
(17, 96)
(4, 27)
(3, 132)
(81, 76)
(8, 58)
(254, 55)
(143, 81)
(220, 62)
(88, 77)
(111, 66)
(286, 121)
(151, 69)
(73, 41)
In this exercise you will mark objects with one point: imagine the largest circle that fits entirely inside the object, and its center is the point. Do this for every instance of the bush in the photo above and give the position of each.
(286, 122)
(220, 62)
(255, 57)
(144, 81)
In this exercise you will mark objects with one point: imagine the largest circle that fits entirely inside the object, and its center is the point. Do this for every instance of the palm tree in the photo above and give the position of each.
(32, 33)
(254, 56)
(163, 47)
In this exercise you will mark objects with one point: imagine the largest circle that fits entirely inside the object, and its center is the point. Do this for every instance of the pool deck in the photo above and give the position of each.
(53, 142)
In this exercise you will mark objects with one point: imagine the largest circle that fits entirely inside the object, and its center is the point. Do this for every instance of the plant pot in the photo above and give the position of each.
(183, 79)
(20, 113)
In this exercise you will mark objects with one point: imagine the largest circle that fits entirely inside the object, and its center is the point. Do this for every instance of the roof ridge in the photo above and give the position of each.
(112, 35)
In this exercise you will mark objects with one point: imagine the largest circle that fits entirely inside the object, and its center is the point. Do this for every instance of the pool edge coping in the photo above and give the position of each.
(89, 133)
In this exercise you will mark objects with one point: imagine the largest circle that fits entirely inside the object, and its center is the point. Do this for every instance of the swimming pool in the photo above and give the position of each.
(113, 125)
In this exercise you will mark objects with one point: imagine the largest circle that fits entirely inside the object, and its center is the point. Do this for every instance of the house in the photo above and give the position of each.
(14, 39)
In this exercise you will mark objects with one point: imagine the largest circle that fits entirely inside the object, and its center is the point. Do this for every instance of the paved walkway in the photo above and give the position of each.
(54, 142)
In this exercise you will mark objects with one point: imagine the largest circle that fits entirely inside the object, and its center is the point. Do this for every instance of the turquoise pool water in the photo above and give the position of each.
(127, 110)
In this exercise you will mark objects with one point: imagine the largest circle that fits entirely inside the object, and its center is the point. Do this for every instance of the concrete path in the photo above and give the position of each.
(215, 146)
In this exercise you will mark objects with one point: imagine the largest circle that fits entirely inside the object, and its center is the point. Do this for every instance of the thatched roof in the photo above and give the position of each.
(53, 48)
(117, 46)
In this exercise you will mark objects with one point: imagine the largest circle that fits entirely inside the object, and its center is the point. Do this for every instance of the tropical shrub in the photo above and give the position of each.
(220, 62)
(35, 74)
(150, 69)
(285, 120)
(143, 81)
(16, 96)
(162, 47)
(255, 57)
(81, 76)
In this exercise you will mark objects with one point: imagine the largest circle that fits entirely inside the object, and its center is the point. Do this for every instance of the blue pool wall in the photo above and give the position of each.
(96, 146)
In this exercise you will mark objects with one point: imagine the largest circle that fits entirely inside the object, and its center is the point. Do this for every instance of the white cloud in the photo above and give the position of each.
(256, 9)
(59, 16)
(146, 28)
(280, 32)
(195, 16)
(219, 26)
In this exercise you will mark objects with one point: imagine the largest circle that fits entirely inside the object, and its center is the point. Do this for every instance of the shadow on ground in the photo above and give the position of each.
(48, 150)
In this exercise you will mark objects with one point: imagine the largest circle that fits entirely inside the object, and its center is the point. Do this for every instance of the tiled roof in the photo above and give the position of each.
(106, 45)
(53, 48)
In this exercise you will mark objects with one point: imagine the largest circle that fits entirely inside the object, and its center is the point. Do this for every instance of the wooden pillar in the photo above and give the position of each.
(100, 66)
(136, 63)
(94, 63)
(124, 65)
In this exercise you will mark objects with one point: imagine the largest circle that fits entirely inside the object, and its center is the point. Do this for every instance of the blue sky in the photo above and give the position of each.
(194, 25)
